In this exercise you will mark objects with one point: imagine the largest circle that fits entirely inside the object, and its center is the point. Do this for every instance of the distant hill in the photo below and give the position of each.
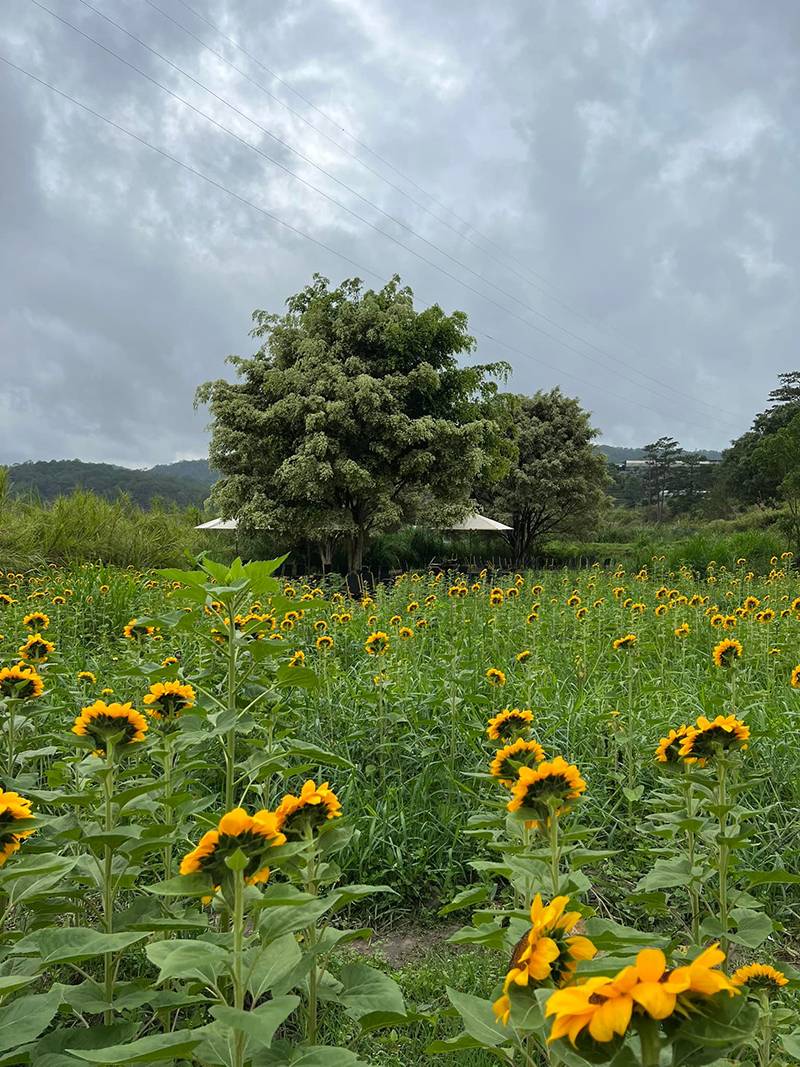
(619, 455)
(186, 482)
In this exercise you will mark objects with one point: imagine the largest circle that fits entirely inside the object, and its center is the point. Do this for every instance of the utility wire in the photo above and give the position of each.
(286, 225)
(343, 206)
(504, 263)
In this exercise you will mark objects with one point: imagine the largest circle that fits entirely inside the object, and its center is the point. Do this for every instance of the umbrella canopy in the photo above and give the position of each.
(218, 524)
(480, 522)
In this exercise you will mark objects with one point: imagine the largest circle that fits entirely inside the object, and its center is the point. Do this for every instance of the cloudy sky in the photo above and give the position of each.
(608, 188)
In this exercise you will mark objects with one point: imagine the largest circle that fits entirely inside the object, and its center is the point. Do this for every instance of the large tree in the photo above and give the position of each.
(743, 475)
(557, 483)
(353, 416)
(661, 456)
(779, 456)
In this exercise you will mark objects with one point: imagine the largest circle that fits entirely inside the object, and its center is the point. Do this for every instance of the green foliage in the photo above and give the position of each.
(186, 483)
(556, 484)
(354, 416)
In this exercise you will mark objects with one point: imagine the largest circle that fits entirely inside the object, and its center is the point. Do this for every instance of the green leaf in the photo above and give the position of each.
(666, 874)
(24, 1019)
(267, 965)
(312, 1056)
(752, 928)
(70, 944)
(467, 898)
(183, 885)
(461, 1043)
(261, 1023)
(198, 960)
(314, 754)
(478, 1018)
(157, 1048)
(365, 990)
(296, 677)
(776, 877)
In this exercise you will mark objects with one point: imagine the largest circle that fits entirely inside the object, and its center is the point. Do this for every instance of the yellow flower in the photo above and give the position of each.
(169, 661)
(36, 621)
(405, 632)
(599, 1005)
(727, 652)
(682, 630)
(167, 700)
(134, 630)
(14, 809)
(795, 677)
(495, 676)
(21, 681)
(253, 834)
(87, 676)
(548, 952)
(668, 749)
(523, 656)
(312, 808)
(551, 785)
(377, 644)
(701, 975)
(759, 975)
(628, 641)
(36, 648)
(99, 721)
(324, 642)
(508, 761)
(508, 722)
(6, 600)
(701, 741)
(661, 609)
(532, 616)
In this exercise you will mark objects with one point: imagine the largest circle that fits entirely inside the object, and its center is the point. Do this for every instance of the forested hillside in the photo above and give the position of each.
(183, 483)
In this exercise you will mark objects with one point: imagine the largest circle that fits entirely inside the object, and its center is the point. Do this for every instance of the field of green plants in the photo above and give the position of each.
(228, 798)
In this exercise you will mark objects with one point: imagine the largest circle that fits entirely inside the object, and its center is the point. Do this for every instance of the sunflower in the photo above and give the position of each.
(668, 748)
(532, 616)
(135, 630)
(377, 644)
(315, 806)
(168, 700)
(170, 661)
(702, 741)
(765, 616)
(600, 1005)
(320, 626)
(716, 619)
(682, 630)
(628, 641)
(508, 722)
(573, 601)
(496, 598)
(750, 603)
(581, 614)
(6, 600)
(405, 632)
(495, 677)
(324, 642)
(661, 609)
(101, 721)
(508, 761)
(795, 677)
(36, 621)
(21, 681)
(523, 656)
(759, 975)
(727, 652)
(552, 784)
(253, 834)
(550, 951)
(14, 809)
(36, 648)
(297, 658)
(87, 676)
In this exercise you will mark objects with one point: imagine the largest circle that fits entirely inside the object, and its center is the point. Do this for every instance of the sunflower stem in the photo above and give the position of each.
(230, 737)
(765, 1044)
(108, 889)
(723, 852)
(239, 1038)
(168, 812)
(555, 853)
(311, 938)
(650, 1041)
(691, 845)
(11, 746)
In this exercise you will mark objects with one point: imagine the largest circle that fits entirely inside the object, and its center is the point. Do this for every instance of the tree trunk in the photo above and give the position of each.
(355, 551)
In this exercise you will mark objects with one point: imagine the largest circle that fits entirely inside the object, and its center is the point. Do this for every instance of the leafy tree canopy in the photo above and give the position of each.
(744, 475)
(557, 483)
(353, 416)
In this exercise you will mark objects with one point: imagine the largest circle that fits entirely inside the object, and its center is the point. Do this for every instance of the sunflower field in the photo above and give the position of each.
(221, 792)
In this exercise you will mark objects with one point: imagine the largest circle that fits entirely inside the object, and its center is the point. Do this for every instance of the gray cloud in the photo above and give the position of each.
(635, 161)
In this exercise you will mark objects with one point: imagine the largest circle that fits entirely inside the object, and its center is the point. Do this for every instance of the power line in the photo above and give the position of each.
(343, 206)
(504, 263)
(281, 222)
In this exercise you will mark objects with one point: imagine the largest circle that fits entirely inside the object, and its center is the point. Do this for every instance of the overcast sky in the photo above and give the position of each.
(620, 176)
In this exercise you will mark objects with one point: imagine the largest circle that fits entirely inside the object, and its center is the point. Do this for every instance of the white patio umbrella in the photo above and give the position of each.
(480, 522)
(218, 524)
